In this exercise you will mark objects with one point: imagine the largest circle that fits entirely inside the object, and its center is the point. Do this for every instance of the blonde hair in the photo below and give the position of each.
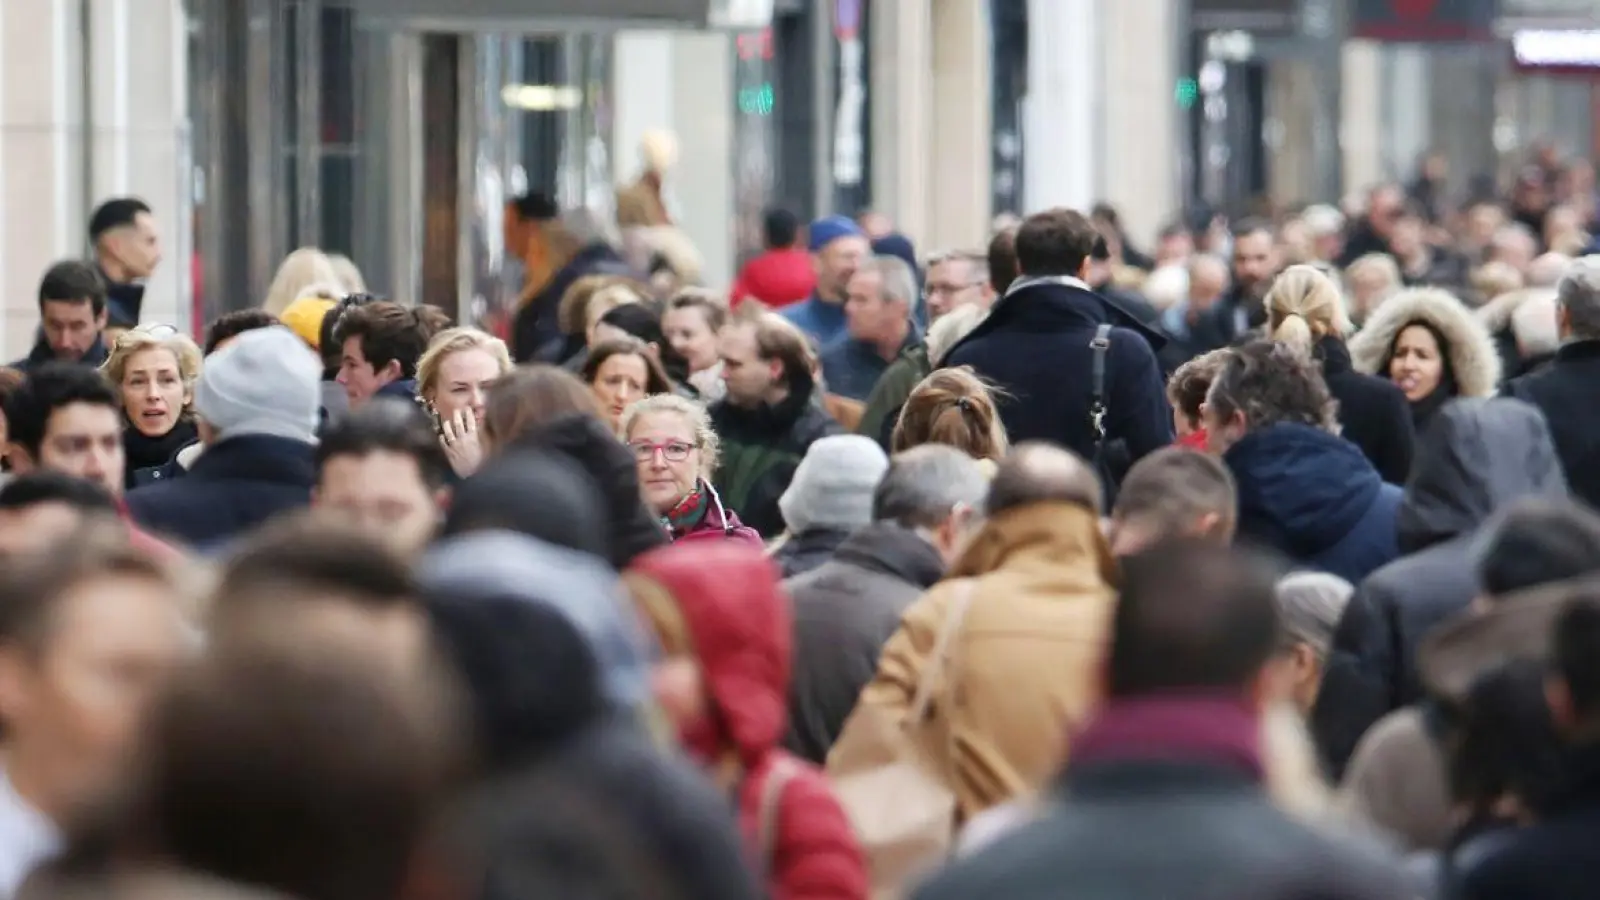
(349, 274)
(1303, 306)
(695, 414)
(137, 340)
(951, 327)
(299, 270)
(457, 340)
(606, 299)
(953, 407)
(572, 314)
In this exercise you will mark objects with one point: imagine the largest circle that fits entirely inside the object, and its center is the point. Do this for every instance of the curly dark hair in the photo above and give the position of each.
(1272, 383)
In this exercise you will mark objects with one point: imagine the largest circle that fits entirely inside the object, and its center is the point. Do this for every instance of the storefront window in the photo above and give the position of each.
(1009, 56)
(755, 102)
(851, 153)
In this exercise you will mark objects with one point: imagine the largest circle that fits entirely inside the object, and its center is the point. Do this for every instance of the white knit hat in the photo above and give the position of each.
(266, 381)
(833, 486)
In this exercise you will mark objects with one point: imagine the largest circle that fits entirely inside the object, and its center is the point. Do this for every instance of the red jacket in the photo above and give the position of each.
(776, 278)
(143, 540)
(739, 621)
(720, 524)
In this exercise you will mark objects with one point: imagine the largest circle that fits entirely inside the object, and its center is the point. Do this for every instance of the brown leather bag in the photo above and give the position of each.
(904, 812)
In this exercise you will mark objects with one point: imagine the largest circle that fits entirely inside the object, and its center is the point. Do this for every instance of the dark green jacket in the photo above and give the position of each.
(761, 448)
(891, 393)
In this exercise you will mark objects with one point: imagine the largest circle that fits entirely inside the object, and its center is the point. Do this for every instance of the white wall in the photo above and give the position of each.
(57, 159)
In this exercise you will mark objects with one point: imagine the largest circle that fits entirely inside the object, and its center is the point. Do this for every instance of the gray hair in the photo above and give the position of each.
(925, 484)
(899, 281)
(1310, 605)
(1579, 295)
(979, 262)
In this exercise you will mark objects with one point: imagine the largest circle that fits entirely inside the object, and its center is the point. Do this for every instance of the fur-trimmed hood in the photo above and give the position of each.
(1473, 357)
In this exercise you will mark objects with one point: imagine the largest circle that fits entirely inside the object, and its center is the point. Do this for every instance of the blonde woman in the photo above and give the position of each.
(453, 379)
(1306, 311)
(300, 270)
(676, 451)
(154, 369)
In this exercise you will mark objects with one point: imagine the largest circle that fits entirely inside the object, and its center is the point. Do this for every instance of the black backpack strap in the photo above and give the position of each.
(1097, 385)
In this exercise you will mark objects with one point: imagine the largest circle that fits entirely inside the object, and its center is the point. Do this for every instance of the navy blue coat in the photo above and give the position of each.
(1313, 497)
(1035, 346)
(233, 487)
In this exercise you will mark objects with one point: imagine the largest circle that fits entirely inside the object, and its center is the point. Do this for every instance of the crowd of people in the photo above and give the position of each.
(1263, 565)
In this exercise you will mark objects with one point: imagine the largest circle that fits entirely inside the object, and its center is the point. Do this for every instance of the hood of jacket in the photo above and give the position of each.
(740, 624)
(1057, 304)
(1064, 537)
(1301, 489)
(583, 589)
(1476, 457)
(1472, 353)
(891, 549)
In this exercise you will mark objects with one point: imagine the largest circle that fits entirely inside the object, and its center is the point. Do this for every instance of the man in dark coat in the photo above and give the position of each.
(1242, 310)
(1567, 391)
(1477, 458)
(72, 317)
(1162, 795)
(258, 404)
(1037, 345)
(848, 608)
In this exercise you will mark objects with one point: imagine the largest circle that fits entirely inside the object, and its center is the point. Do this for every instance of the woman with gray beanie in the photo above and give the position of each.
(1310, 605)
(829, 498)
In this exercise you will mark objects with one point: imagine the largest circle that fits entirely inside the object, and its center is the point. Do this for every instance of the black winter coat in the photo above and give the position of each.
(844, 612)
(761, 448)
(1478, 457)
(536, 335)
(1555, 858)
(1147, 829)
(234, 486)
(1568, 393)
(1035, 345)
(1374, 412)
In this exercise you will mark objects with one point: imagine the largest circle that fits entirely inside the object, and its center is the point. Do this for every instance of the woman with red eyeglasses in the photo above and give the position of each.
(676, 452)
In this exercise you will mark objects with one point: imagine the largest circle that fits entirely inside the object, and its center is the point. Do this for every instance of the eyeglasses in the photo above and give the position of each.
(673, 451)
(948, 290)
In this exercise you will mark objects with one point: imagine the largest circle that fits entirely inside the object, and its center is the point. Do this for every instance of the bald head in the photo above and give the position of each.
(1547, 270)
(1036, 472)
(1208, 277)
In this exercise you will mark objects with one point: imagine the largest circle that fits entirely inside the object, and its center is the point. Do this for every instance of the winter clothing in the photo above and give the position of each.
(822, 320)
(304, 317)
(536, 335)
(1472, 364)
(800, 553)
(776, 278)
(557, 670)
(144, 452)
(142, 540)
(762, 448)
(124, 302)
(1553, 859)
(1030, 649)
(1169, 779)
(41, 354)
(235, 486)
(890, 393)
(700, 515)
(538, 493)
(263, 383)
(1232, 319)
(1566, 393)
(1036, 341)
(176, 467)
(1314, 498)
(1373, 413)
(1442, 268)
(593, 446)
(828, 229)
(852, 368)
(739, 625)
(833, 486)
(400, 389)
(845, 610)
(335, 403)
(1480, 456)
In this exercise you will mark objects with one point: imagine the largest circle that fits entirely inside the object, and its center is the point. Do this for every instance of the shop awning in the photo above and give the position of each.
(479, 15)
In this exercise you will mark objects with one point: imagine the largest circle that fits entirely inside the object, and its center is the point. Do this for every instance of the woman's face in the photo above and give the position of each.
(1417, 366)
(620, 381)
(668, 454)
(462, 382)
(691, 335)
(153, 392)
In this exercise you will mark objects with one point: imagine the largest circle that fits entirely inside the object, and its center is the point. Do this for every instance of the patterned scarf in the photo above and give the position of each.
(689, 513)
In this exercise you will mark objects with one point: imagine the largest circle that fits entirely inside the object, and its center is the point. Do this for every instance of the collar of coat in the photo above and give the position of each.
(1053, 534)
(1024, 282)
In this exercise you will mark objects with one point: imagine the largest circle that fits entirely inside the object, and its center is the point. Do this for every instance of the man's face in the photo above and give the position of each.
(1383, 208)
(70, 327)
(950, 284)
(382, 492)
(836, 262)
(1254, 263)
(1405, 241)
(361, 381)
(83, 440)
(137, 247)
(749, 377)
(870, 315)
(72, 704)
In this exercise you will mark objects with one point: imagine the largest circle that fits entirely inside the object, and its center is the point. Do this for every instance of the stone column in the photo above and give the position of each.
(1061, 129)
(961, 128)
(1137, 114)
(902, 94)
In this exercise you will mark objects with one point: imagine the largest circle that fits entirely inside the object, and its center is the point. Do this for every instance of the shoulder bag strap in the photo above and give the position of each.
(1097, 386)
(778, 777)
(937, 662)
